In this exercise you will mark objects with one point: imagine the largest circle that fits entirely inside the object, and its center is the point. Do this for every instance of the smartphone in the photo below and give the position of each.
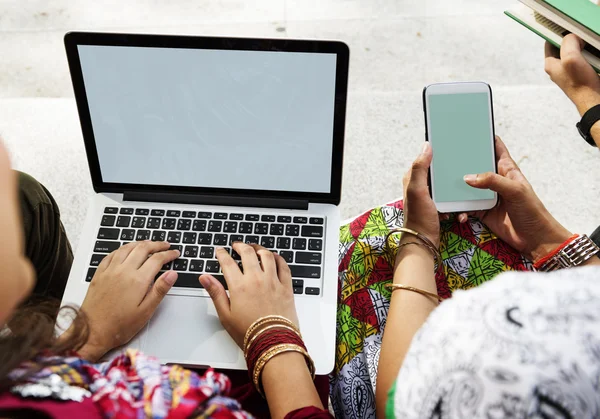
(459, 124)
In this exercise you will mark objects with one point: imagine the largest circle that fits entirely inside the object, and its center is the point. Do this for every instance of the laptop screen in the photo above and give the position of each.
(258, 120)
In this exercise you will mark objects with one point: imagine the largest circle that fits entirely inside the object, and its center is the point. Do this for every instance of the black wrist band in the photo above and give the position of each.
(587, 121)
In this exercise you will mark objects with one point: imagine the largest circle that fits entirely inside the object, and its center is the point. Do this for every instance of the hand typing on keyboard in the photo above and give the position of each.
(121, 297)
(263, 288)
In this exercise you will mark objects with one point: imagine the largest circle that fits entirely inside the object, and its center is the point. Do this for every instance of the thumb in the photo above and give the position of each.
(217, 294)
(504, 186)
(158, 291)
(420, 167)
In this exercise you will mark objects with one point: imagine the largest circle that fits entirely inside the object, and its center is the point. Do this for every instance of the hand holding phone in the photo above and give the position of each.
(459, 124)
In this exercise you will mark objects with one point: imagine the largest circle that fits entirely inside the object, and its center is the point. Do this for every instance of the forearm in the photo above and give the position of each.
(288, 385)
(408, 311)
(584, 102)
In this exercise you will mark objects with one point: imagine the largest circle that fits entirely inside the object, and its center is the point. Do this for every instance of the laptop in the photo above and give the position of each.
(202, 141)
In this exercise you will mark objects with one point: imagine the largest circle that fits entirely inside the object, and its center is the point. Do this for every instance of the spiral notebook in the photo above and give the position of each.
(554, 19)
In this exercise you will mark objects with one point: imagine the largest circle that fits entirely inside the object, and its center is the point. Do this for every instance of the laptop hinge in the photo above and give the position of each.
(224, 200)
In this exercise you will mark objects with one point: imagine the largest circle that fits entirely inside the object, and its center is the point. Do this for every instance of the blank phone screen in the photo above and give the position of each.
(460, 132)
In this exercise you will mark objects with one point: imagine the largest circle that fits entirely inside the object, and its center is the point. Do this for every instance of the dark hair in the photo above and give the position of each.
(32, 329)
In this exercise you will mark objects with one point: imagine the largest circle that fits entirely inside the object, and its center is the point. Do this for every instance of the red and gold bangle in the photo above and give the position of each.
(540, 262)
(265, 320)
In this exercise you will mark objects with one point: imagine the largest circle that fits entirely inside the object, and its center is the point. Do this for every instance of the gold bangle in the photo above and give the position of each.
(395, 287)
(265, 320)
(427, 243)
(273, 352)
(262, 330)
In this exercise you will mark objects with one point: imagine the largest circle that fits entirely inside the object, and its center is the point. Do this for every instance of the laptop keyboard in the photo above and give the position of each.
(299, 240)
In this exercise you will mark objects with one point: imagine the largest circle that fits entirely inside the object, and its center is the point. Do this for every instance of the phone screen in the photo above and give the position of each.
(460, 132)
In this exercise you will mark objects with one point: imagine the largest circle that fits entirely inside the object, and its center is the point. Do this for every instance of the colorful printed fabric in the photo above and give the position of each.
(133, 385)
(471, 255)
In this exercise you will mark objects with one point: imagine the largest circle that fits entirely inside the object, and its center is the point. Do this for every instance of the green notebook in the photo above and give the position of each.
(544, 18)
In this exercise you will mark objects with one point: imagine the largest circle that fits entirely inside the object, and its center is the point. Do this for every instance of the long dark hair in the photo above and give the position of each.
(31, 330)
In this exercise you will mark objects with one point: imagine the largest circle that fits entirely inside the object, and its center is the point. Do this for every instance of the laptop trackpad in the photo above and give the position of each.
(187, 330)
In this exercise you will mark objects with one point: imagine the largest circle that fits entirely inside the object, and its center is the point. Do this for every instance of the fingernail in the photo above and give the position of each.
(470, 178)
(171, 277)
(425, 147)
(219, 249)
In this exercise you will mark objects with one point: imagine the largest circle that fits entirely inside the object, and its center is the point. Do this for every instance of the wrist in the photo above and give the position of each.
(585, 99)
(553, 238)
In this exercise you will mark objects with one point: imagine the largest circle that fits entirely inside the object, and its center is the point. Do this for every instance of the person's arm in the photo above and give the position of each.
(575, 76)
(288, 385)
(408, 311)
(414, 267)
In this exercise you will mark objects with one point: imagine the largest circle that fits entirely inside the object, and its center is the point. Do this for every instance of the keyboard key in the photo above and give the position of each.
(299, 244)
(299, 271)
(127, 211)
(123, 221)
(158, 213)
(311, 258)
(292, 230)
(108, 233)
(111, 210)
(230, 227)
(235, 255)
(298, 283)
(284, 219)
(189, 214)
(220, 240)
(106, 247)
(316, 220)
(124, 243)
(261, 228)
(245, 228)
(96, 259)
(252, 217)
(196, 265)
(236, 216)
(312, 291)
(312, 231)
(268, 218)
(177, 247)
(159, 236)
(212, 266)
(189, 280)
(168, 223)
(166, 267)
(153, 223)
(204, 214)
(300, 220)
(283, 242)
(142, 211)
(315, 244)
(298, 290)
(173, 213)
(199, 225)
(268, 242)
(220, 216)
(138, 222)
(235, 238)
(205, 238)
(184, 224)
(215, 226)
(174, 236)
(251, 240)
(190, 251)
(190, 238)
(108, 220)
(128, 235)
(90, 274)
(207, 252)
(142, 235)
(276, 230)
(180, 264)
(287, 255)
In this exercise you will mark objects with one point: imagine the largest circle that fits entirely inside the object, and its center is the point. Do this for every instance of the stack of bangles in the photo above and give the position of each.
(426, 243)
(268, 337)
